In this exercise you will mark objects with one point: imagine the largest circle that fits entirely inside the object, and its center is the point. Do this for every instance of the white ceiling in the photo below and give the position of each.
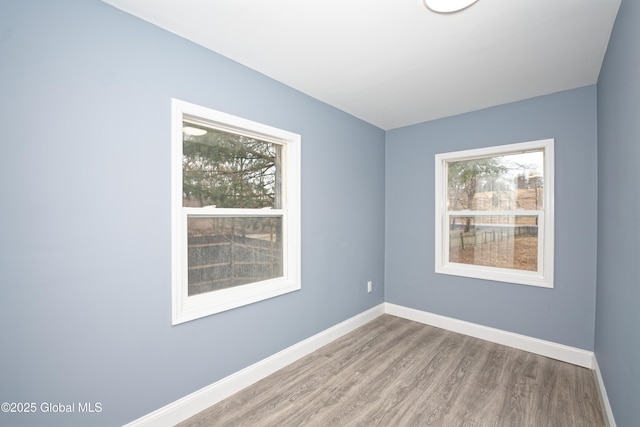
(394, 63)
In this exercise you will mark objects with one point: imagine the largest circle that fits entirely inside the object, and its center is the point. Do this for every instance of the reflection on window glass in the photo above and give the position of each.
(224, 252)
(235, 193)
(228, 170)
(507, 182)
(494, 213)
(504, 241)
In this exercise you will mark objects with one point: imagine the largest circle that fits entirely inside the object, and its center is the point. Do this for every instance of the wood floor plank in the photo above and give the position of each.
(395, 372)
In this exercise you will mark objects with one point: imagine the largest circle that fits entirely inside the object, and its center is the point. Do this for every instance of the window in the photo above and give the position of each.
(235, 211)
(494, 213)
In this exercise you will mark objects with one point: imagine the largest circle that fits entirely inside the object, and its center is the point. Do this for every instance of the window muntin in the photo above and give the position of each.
(493, 213)
(235, 214)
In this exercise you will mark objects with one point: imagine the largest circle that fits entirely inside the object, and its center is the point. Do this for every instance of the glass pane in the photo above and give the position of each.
(511, 182)
(224, 252)
(494, 241)
(228, 170)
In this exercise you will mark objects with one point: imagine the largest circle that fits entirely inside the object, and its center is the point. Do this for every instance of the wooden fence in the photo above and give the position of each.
(223, 261)
(489, 233)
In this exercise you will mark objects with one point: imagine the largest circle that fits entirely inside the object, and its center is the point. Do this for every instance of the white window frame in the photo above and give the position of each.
(543, 277)
(185, 307)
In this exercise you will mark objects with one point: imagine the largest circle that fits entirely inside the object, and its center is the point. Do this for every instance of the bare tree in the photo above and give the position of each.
(465, 179)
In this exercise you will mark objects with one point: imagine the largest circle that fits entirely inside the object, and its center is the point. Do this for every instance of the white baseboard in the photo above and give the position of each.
(200, 400)
(604, 399)
(550, 349)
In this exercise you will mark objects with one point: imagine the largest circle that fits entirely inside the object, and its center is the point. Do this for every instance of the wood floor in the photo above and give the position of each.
(395, 372)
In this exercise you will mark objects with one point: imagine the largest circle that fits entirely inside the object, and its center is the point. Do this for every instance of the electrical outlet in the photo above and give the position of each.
(369, 286)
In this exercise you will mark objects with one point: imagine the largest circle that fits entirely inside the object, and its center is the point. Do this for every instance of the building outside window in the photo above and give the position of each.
(494, 213)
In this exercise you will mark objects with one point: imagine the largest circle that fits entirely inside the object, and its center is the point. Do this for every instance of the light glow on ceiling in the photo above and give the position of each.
(448, 6)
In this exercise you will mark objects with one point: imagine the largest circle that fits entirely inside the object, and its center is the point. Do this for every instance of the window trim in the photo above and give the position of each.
(544, 276)
(186, 308)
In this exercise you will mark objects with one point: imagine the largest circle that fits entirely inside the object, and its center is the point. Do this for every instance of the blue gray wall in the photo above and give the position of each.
(564, 314)
(85, 309)
(617, 339)
(85, 227)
